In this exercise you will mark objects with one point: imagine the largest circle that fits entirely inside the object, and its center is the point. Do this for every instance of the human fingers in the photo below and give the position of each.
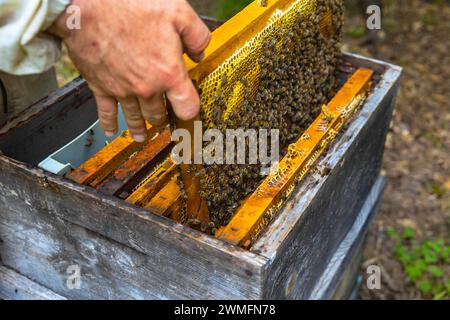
(154, 110)
(107, 113)
(134, 118)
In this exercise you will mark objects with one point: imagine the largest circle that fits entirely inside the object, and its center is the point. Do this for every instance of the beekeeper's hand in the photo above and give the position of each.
(131, 52)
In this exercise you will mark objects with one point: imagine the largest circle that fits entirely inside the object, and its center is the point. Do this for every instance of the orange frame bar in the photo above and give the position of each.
(100, 166)
(136, 167)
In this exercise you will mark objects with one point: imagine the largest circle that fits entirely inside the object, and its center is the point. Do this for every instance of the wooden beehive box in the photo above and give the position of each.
(49, 223)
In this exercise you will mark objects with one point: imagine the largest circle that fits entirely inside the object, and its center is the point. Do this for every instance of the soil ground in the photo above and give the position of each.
(415, 35)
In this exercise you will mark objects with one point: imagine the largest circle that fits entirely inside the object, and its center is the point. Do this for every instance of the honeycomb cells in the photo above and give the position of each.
(278, 80)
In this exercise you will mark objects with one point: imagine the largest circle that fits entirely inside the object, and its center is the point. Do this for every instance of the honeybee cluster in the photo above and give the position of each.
(297, 76)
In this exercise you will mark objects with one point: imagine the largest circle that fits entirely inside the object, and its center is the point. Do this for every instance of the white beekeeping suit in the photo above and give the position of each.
(27, 52)
(24, 46)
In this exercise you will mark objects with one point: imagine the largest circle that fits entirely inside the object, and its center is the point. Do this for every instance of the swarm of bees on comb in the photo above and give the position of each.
(283, 87)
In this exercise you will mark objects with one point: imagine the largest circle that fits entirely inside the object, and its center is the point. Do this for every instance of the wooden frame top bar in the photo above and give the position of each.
(232, 35)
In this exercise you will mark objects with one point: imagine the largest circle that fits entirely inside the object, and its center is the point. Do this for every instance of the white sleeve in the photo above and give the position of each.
(24, 46)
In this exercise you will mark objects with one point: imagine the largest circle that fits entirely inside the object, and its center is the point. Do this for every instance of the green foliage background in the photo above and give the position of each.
(229, 8)
(425, 262)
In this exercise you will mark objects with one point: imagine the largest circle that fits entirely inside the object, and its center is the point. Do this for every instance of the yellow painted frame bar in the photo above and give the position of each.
(232, 35)
(249, 219)
(167, 200)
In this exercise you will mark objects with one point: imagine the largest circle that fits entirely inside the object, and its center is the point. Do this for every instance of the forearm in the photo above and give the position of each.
(25, 48)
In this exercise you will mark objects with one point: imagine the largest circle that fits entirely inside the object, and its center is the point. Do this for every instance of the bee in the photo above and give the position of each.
(217, 113)
(90, 138)
(194, 222)
(224, 79)
(328, 119)
(244, 81)
(263, 3)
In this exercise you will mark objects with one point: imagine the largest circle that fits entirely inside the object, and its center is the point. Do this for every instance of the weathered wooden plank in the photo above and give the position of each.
(107, 269)
(46, 217)
(14, 286)
(327, 286)
(48, 125)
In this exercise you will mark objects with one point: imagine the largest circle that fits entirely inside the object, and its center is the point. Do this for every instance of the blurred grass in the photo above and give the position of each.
(65, 70)
(228, 8)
